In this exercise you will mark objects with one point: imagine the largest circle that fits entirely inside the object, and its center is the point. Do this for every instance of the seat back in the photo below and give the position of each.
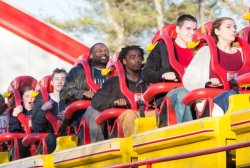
(132, 97)
(167, 34)
(205, 29)
(245, 34)
(222, 74)
(14, 88)
(114, 127)
(46, 83)
(83, 61)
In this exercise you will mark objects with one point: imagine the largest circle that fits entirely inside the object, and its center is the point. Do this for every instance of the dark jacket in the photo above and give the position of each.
(110, 91)
(157, 64)
(15, 124)
(75, 85)
(39, 121)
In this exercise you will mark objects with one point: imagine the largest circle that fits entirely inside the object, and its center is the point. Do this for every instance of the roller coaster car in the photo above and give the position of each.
(12, 138)
(45, 87)
(223, 75)
(83, 129)
(111, 115)
(166, 34)
(198, 134)
(108, 152)
(240, 120)
(100, 154)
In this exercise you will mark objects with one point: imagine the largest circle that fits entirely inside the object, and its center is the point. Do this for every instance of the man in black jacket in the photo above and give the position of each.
(110, 94)
(54, 105)
(76, 88)
(157, 68)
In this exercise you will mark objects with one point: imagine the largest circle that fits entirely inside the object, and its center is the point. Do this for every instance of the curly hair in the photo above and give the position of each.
(124, 51)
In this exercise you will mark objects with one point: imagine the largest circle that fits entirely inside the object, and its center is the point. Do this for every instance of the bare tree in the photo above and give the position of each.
(117, 27)
(159, 9)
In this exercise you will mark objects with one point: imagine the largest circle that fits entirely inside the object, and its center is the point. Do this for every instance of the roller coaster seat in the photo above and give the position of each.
(205, 29)
(245, 33)
(167, 34)
(15, 86)
(83, 129)
(45, 87)
(223, 75)
(46, 83)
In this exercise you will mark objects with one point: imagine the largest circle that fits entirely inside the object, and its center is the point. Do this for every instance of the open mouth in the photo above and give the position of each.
(104, 58)
(30, 103)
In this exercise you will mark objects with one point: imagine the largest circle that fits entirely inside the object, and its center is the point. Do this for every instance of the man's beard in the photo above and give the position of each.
(100, 61)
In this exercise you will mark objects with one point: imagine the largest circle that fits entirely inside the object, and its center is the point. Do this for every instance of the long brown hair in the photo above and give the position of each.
(216, 25)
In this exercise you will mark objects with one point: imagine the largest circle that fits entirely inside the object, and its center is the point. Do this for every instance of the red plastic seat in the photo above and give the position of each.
(111, 115)
(205, 29)
(45, 87)
(114, 113)
(46, 83)
(222, 74)
(167, 34)
(245, 34)
(14, 88)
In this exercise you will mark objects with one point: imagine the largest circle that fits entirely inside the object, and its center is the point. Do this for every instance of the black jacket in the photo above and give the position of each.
(39, 121)
(110, 91)
(75, 85)
(157, 64)
(15, 124)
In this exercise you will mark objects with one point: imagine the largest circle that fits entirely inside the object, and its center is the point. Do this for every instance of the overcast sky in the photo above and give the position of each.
(60, 9)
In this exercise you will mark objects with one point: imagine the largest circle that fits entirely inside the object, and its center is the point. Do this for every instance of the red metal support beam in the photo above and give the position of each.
(184, 155)
(40, 33)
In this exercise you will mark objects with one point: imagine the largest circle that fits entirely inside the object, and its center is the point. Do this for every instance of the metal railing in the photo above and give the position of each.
(149, 162)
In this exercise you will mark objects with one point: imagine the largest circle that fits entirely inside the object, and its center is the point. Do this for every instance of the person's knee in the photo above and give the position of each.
(224, 96)
(91, 113)
(180, 92)
(231, 92)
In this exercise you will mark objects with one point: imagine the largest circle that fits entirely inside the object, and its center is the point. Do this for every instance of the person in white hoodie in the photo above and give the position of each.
(199, 74)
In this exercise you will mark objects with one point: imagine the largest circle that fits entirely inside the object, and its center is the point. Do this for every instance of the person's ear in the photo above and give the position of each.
(52, 82)
(177, 29)
(216, 32)
(91, 56)
(124, 62)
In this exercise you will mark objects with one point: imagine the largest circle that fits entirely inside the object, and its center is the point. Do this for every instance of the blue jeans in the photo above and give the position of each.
(96, 131)
(222, 99)
(183, 112)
